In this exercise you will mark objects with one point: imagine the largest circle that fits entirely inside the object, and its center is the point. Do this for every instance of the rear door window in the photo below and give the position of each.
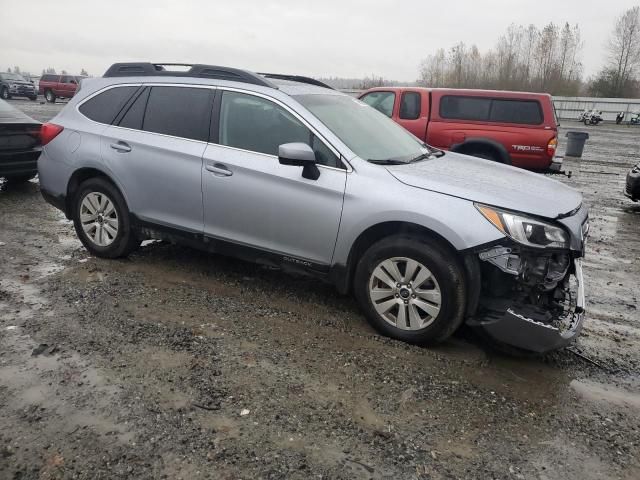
(104, 107)
(381, 101)
(410, 106)
(516, 111)
(135, 114)
(179, 111)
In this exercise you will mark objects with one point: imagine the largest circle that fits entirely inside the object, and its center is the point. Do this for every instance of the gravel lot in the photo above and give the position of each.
(177, 364)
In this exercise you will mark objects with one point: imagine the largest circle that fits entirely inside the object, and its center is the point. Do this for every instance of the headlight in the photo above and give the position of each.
(525, 230)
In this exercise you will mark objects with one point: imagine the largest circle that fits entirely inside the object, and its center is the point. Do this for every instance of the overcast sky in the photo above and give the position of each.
(346, 38)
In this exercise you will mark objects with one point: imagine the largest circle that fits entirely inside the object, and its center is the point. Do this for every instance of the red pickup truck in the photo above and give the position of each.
(515, 128)
(58, 86)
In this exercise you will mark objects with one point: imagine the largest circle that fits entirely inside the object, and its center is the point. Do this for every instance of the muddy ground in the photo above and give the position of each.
(177, 364)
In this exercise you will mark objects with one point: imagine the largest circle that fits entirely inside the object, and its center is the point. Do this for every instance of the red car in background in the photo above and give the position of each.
(58, 86)
(514, 128)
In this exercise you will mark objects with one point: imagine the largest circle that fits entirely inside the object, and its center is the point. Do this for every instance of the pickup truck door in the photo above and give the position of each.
(62, 87)
(413, 112)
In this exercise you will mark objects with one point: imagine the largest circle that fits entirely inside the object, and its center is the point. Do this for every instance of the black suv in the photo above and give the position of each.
(15, 85)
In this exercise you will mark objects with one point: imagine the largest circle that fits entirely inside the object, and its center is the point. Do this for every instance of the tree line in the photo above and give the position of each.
(547, 59)
(48, 70)
(524, 58)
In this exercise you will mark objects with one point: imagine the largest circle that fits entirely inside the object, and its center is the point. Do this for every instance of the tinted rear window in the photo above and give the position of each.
(135, 114)
(179, 111)
(105, 106)
(484, 109)
(465, 108)
(516, 111)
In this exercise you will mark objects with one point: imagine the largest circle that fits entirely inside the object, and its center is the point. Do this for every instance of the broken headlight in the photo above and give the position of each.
(526, 230)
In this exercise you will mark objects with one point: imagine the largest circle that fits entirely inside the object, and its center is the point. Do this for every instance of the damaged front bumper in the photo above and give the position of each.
(535, 302)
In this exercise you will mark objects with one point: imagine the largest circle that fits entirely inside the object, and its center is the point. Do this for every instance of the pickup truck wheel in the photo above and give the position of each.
(49, 96)
(33, 98)
(4, 93)
(101, 219)
(411, 289)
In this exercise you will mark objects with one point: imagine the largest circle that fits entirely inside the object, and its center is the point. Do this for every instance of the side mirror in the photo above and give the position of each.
(299, 155)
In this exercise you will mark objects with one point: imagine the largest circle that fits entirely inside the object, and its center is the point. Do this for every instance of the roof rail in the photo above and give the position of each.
(146, 69)
(296, 78)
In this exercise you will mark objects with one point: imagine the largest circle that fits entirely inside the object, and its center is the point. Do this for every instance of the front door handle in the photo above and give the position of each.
(121, 147)
(219, 169)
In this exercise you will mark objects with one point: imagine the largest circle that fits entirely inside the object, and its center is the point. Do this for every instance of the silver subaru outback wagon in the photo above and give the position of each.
(286, 171)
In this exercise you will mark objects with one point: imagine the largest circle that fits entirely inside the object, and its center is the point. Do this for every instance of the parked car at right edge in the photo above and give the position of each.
(514, 128)
(632, 185)
(285, 171)
(58, 86)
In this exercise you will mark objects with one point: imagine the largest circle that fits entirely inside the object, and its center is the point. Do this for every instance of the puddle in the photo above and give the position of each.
(24, 292)
(597, 392)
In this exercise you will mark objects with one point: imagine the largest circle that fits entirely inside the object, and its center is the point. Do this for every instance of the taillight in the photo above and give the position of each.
(49, 131)
(551, 146)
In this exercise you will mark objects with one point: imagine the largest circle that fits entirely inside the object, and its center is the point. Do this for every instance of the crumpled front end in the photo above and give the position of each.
(532, 299)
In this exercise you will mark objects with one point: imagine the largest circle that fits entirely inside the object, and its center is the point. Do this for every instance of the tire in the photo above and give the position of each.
(444, 314)
(586, 122)
(99, 199)
(4, 93)
(49, 96)
(14, 180)
(33, 98)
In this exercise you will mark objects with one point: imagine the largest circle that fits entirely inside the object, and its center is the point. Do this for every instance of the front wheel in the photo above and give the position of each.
(101, 219)
(411, 289)
(49, 96)
(33, 98)
(4, 93)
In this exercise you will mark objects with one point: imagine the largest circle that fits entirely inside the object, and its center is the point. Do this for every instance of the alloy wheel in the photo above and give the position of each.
(405, 293)
(99, 218)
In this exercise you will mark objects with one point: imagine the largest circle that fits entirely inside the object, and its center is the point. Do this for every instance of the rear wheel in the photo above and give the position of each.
(49, 96)
(411, 289)
(101, 219)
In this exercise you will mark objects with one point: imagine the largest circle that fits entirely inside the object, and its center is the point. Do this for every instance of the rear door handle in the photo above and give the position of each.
(219, 169)
(121, 147)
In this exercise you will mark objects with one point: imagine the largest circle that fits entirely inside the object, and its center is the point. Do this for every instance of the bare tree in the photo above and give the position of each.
(524, 58)
(624, 48)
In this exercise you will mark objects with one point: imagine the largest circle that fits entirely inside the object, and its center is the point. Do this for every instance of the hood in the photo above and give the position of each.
(18, 82)
(491, 183)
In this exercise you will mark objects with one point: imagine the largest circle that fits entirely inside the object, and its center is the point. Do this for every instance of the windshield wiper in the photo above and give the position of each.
(387, 162)
(422, 156)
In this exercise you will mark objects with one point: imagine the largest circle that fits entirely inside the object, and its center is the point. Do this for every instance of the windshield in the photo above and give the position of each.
(13, 76)
(367, 132)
